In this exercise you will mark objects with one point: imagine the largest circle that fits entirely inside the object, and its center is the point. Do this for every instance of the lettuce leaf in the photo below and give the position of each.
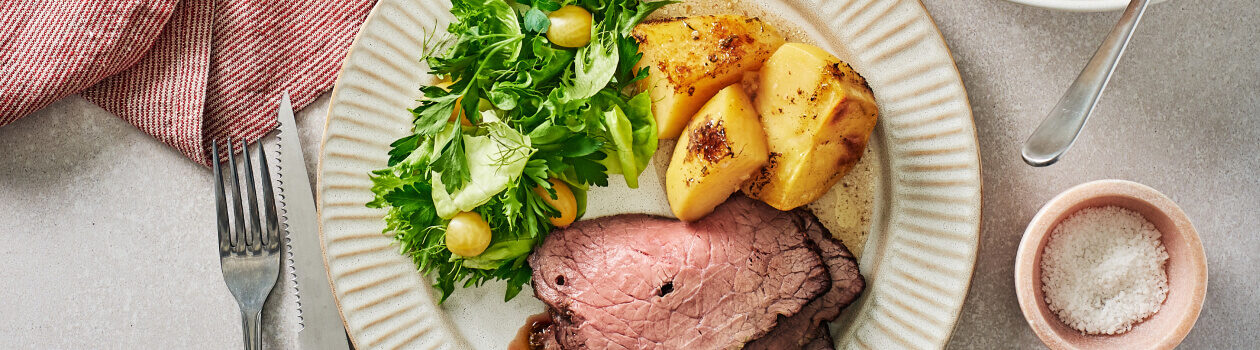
(633, 135)
(594, 67)
(495, 160)
(643, 128)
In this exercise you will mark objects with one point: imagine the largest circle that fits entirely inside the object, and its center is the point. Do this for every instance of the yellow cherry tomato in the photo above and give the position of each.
(467, 235)
(570, 26)
(564, 202)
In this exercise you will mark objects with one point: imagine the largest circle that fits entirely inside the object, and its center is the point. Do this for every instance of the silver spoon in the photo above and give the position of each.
(1057, 132)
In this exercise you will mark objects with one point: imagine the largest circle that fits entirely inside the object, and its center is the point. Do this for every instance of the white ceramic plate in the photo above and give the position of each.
(925, 222)
(1080, 5)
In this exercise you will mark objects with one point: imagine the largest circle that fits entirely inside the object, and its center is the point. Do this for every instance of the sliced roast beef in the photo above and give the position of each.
(822, 341)
(804, 327)
(643, 282)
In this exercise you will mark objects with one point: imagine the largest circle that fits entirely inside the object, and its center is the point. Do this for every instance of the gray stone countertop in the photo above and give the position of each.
(1182, 115)
(106, 235)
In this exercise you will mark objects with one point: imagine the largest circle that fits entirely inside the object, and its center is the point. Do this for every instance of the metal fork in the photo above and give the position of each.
(249, 255)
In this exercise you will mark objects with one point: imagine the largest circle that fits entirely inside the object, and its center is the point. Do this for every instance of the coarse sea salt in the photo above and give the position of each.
(1103, 270)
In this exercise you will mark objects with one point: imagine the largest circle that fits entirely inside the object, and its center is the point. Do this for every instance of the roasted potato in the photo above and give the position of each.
(690, 59)
(722, 147)
(818, 114)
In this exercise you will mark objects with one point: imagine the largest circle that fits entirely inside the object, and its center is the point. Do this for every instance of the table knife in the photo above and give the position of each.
(320, 322)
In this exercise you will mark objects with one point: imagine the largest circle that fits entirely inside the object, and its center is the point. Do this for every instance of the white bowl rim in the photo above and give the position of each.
(1079, 5)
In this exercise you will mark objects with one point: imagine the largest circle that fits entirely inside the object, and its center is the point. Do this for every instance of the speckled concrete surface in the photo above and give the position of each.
(107, 239)
(1182, 115)
(106, 234)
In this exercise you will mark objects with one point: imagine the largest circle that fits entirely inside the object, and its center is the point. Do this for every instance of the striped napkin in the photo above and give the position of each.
(186, 72)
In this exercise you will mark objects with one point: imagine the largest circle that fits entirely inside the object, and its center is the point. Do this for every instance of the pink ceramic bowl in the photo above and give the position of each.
(1187, 268)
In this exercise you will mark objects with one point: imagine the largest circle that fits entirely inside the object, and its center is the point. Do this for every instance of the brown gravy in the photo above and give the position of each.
(530, 336)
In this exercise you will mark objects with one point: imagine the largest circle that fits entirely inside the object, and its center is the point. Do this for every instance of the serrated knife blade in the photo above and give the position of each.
(320, 322)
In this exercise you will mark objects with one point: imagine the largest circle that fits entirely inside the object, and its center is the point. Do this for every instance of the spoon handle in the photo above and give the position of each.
(1057, 132)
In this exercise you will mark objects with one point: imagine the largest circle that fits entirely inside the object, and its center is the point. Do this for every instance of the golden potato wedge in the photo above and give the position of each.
(818, 115)
(691, 58)
(722, 147)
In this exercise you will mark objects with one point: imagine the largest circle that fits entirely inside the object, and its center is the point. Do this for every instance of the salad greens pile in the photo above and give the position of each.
(525, 111)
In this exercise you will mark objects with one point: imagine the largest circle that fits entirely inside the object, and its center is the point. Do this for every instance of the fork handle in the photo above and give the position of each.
(251, 325)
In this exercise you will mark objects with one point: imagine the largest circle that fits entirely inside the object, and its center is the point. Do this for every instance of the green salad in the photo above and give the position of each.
(536, 108)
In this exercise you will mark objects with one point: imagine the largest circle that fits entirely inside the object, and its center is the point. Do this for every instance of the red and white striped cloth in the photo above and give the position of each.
(186, 72)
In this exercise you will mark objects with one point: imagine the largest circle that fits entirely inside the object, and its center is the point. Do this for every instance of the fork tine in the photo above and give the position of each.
(239, 235)
(272, 234)
(220, 202)
(255, 232)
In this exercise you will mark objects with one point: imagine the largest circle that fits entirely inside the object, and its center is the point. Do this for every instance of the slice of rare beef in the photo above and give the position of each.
(643, 282)
(802, 329)
(822, 341)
